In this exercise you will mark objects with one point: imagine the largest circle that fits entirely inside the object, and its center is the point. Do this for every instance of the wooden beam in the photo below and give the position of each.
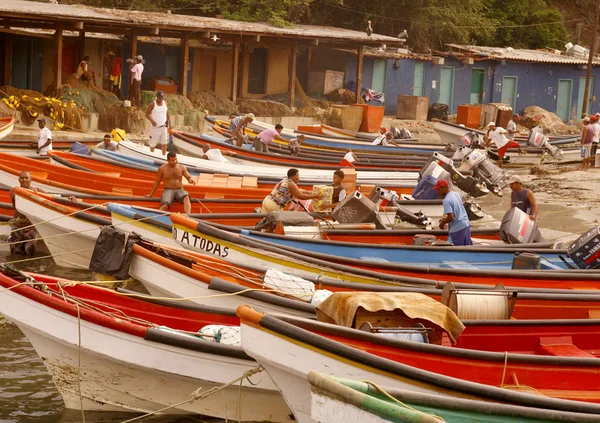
(308, 60)
(7, 53)
(81, 45)
(359, 66)
(58, 43)
(185, 60)
(292, 82)
(128, 80)
(235, 69)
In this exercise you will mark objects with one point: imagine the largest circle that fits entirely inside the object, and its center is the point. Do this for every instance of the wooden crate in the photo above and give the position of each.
(412, 107)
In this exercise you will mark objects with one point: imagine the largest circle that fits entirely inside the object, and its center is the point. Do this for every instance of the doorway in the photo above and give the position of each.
(447, 86)
(563, 99)
(581, 95)
(509, 91)
(477, 80)
(419, 81)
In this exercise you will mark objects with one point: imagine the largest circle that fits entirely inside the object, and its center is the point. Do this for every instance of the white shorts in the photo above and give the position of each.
(158, 135)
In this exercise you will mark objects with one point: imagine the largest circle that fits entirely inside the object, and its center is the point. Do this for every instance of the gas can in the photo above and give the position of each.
(526, 261)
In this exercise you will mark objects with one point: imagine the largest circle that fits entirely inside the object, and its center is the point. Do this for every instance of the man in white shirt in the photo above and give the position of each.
(381, 139)
(595, 139)
(511, 127)
(136, 82)
(44, 139)
(158, 115)
(497, 136)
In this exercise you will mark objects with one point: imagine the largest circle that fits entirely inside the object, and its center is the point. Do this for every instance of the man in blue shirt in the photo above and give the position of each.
(459, 231)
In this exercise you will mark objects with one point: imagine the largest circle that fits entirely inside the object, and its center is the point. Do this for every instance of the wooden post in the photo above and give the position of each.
(588, 75)
(185, 60)
(7, 53)
(235, 69)
(292, 73)
(128, 81)
(309, 60)
(81, 46)
(58, 42)
(359, 64)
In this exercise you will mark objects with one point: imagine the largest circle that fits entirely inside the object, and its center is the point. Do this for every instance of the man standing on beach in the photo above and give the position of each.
(44, 143)
(497, 136)
(522, 198)
(115, 74)
(158, 115)
(172, 174)
(455, 215)
(511, 127)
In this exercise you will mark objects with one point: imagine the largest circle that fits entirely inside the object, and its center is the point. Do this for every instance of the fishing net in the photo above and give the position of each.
(292, 285)
(228, 335)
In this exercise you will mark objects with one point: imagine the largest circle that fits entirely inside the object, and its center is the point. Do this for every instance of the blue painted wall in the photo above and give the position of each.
(537, 82)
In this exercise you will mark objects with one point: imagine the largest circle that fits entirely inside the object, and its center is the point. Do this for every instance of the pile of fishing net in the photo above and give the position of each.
(64, 112)
(132, 120)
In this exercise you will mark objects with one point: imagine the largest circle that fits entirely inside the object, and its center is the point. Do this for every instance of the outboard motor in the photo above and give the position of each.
(384, 197)
(470, 140)
(483, 169)
(539, 140)
(474, 210)
(442, 167)
(585, 250)
(518, 228)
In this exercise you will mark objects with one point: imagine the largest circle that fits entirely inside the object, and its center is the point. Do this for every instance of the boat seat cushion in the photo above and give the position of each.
(561, 346)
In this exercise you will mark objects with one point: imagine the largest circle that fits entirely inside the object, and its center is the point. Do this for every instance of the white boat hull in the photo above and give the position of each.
(326, 409)
(6, 129)
(289, 369)
(122, 372)
(274, 172)
(163, 282)
(9, 180)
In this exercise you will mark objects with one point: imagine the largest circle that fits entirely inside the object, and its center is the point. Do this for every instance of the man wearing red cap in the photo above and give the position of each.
(455, 215)
(381, 138)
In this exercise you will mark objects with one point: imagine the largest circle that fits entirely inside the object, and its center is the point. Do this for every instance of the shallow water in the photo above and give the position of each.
(27, 393)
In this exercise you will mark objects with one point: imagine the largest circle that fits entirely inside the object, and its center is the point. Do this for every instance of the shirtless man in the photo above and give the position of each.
(172, 174)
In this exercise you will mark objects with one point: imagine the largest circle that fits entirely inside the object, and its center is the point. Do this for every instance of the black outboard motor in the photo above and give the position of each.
(585, 250)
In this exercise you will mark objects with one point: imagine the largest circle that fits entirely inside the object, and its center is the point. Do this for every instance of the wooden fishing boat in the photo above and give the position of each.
(336, 399)
(383, 178)
(192, 146)
(109, 352)
(322, 229)
(497, 256)
(303, 346)
(242, 250)
(61, 180)
(20, 148)
(7, 124)
(201, 279)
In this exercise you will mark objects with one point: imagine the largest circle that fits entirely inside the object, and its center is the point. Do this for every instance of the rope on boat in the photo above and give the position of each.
(482, 305)
(79, 362)
(396, 400)
(197, 395)
(56, 218)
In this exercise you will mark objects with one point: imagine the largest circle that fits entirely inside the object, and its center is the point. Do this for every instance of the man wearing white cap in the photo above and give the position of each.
(522, 198)
(136, 82)
(497, 136)
(238, 125)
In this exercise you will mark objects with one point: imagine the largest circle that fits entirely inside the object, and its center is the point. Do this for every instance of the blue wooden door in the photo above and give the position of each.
(419, 82)
(582, 93)
(447, 86)
(563, 99)
(509, 91)
(379, 73)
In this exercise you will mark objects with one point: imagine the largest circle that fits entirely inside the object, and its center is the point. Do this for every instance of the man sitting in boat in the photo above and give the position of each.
(171, 174)
(349, 158)
(237, 127)
(295, 143)
(285, 192)
(106, 144)
(339, 190)
(384, 140)
(23, 236)
(215, 155)
(455, 215)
